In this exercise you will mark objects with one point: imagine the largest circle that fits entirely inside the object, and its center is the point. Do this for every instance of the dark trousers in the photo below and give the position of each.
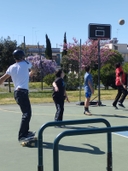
(121, 95)
(59, 103)
(22, 99)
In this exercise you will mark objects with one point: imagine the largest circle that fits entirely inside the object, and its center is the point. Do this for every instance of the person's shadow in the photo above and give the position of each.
(93, 150)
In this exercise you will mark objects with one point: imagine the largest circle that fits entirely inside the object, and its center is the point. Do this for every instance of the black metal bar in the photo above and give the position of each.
(58, 123)
(99, 101)
(82, 132)
(40, 168)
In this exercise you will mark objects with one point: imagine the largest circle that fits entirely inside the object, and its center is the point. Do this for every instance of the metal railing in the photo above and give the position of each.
(60, 123)
(84, 131)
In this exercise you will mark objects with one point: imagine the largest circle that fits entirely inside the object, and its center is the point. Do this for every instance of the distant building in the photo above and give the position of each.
(121, 48)
(34, 50)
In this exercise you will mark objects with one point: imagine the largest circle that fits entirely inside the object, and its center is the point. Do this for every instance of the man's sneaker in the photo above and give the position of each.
(28, 136)
(25, 138)
(120, 104)
(22, 139)
(115, 106)
(31, 134)
(87, 113)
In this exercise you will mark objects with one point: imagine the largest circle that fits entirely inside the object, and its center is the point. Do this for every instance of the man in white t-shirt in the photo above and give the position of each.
(19, 72)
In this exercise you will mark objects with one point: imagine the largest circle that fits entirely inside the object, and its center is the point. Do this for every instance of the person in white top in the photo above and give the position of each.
(19, 72)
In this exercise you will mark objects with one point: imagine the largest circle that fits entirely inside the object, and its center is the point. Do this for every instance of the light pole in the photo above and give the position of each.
(79, 76)
(99, 101)
(41, 67)
(19, 39)
(33, 34)
(24, 45)
(80, 72)
(36, 36)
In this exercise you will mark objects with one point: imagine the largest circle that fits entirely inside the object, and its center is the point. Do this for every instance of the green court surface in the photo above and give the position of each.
(76, 153)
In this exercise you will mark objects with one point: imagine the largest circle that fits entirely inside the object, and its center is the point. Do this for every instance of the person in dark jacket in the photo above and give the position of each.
(59, 94)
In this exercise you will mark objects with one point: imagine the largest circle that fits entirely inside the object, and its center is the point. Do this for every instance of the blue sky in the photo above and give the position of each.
(36, 18)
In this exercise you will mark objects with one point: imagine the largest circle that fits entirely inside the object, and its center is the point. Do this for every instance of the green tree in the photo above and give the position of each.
(108, 70)
(64, 45)
(72, 81)
(48, 79)
(48, 50)
(6, 58)
(69, 64)
(108, 76)
(125, 67)
(6, 49)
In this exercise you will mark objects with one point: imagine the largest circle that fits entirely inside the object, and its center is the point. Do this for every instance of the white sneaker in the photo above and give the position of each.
(87, 113)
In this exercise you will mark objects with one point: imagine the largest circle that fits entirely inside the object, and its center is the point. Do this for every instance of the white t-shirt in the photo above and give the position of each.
(19, 73)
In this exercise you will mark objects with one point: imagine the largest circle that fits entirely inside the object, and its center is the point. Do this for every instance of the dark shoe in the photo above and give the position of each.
(31, 134)
(22, 139)
(115, 106)
(120, 104)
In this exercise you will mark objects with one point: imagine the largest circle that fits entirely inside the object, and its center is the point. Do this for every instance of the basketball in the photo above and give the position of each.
(121, 21)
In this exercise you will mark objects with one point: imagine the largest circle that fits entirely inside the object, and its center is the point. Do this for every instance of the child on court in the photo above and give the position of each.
(59, 94)
(88, 87)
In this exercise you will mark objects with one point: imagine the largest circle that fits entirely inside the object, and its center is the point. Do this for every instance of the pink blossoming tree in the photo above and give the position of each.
(89, 56)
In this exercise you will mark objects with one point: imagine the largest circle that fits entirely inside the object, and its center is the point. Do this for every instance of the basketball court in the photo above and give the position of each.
(79, 152)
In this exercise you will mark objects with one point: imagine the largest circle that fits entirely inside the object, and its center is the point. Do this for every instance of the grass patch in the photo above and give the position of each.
(45, 96)
(37, 85)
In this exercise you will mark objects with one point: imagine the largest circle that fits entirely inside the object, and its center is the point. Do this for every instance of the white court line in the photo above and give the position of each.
(119, 134)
